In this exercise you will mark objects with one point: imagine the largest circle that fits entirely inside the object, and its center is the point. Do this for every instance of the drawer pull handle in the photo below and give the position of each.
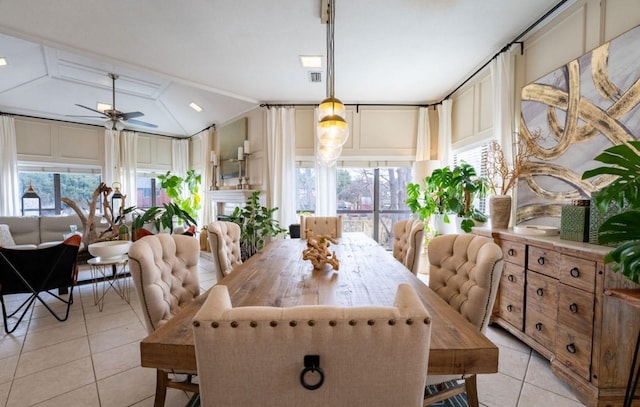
(573, 308)
(541, 261)
(574, 272)
(571, 348)
(509, 307)
(538, 326)
(511, 278)
(511, 252)
(540, 292)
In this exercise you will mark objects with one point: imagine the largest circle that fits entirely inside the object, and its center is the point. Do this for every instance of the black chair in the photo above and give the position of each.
(36, 271)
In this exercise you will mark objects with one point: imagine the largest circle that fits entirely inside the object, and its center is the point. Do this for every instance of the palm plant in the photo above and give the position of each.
(624, 163)
(468, 186)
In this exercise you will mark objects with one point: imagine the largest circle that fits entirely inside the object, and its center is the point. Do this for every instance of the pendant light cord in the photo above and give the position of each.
(330, 49)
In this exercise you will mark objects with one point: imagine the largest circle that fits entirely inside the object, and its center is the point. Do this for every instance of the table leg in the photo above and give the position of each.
(632, 383)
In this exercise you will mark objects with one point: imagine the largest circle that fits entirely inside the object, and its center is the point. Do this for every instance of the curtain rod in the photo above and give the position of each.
(506, 47)
(85, 124)
(357, 105)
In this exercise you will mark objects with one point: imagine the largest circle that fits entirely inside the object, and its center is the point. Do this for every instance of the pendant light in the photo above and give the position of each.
(333, 130)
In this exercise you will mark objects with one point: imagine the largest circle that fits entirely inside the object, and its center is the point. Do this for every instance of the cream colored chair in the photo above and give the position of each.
(164, 269)
(224, 241)
(321, 225)
(368, 356)
(465, 271)
(408, 238)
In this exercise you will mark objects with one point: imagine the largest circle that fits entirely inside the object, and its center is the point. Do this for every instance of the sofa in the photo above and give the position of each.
(38, 231)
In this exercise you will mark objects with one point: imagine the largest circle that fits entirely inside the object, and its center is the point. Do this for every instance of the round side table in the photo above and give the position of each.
(107, 272)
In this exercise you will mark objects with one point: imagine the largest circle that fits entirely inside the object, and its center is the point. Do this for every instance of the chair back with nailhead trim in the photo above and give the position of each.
(366, 356)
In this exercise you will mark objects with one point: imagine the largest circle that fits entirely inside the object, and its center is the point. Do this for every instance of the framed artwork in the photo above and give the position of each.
(230, 137)
(577, 111)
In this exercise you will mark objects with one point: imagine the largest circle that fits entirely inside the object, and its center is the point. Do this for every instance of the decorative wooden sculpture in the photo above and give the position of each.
(90, 234)
(317, 251)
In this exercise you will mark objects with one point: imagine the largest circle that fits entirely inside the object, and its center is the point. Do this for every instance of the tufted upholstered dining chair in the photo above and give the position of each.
(224, 241)
(408, 237)
(321, 225)
(368, 356)
(465, 271)
(164, 269)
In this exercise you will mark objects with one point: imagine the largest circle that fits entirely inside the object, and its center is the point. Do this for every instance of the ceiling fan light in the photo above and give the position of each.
(108, 125)
(119, 126)
(331, 106)
(333, 131)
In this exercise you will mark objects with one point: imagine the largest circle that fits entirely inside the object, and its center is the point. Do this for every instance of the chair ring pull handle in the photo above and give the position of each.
(311, 364)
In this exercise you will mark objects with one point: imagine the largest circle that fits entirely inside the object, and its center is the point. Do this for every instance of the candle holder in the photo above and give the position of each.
(214, 177)
(239, 186)
(247, 185)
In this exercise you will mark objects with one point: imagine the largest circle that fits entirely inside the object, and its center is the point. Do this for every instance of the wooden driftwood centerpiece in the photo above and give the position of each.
(90, 233)
(317, 251)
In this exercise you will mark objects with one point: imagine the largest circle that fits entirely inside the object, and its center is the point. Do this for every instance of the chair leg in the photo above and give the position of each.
(162, 378)
(471, 386)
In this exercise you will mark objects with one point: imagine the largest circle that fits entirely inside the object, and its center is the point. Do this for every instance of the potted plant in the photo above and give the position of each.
(436, 197)
(468, 187)
(256, 225)
(624, 191)
(175, 186)
(502, 176)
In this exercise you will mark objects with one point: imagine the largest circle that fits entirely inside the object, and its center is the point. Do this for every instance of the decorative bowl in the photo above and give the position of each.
(109, 250)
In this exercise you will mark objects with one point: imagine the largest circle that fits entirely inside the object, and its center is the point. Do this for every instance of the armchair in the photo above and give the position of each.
(35, 272)
(465, 271)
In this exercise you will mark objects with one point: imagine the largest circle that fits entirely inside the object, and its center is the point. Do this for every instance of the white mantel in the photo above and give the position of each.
(220, 197)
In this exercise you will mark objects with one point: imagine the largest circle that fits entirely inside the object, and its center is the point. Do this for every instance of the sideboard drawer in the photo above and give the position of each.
(514, 252)
(578, 272)
(511, 295)
(575, 310)
(542, 308)
(543, 261)
(574, 351)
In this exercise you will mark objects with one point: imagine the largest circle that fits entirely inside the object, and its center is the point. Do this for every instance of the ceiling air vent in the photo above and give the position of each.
(315, 77)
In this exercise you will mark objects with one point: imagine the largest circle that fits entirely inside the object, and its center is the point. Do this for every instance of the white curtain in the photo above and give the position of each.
(128, 167)
(502, 81)
(9, 187)
(281, 163)
(111, 172)
(180, 157)
(423, 146)
(444, 133)
(326, 187)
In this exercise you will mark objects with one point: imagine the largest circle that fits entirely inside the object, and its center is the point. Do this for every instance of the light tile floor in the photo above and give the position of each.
(93, 359)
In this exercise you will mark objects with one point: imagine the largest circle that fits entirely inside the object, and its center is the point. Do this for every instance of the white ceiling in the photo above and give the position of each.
(231, 55)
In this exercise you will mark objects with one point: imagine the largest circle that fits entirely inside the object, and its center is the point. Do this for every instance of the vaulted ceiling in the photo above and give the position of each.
(229, 56)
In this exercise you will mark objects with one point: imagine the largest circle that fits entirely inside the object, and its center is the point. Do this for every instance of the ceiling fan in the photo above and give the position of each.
(114, 116)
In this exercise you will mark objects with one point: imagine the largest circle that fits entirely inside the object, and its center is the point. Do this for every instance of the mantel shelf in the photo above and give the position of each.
(231, 195)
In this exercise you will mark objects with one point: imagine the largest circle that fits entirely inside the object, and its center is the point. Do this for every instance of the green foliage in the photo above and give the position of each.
(175, 185)
(624, 163)
(468, 186)
(448, 191)
(256, 225)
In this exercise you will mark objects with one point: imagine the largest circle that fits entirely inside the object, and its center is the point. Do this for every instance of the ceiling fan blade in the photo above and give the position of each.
(131, 115)
(93, 110)
(139, 123)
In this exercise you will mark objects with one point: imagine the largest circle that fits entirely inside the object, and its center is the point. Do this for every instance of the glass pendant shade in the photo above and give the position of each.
(333, 131)
(331, 106)
(329, 154)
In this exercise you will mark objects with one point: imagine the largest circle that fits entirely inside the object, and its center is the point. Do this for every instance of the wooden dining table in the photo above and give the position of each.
(367, 275)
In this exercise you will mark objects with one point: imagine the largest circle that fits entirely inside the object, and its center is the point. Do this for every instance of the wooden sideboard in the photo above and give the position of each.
(551, 297)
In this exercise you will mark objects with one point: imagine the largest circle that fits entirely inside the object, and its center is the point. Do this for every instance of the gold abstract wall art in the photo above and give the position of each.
(587, 105)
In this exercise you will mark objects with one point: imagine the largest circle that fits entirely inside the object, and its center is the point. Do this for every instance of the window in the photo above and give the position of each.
(370, 200)
(149, 192)
(477, 158)
(52, 186)
(305, 189)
